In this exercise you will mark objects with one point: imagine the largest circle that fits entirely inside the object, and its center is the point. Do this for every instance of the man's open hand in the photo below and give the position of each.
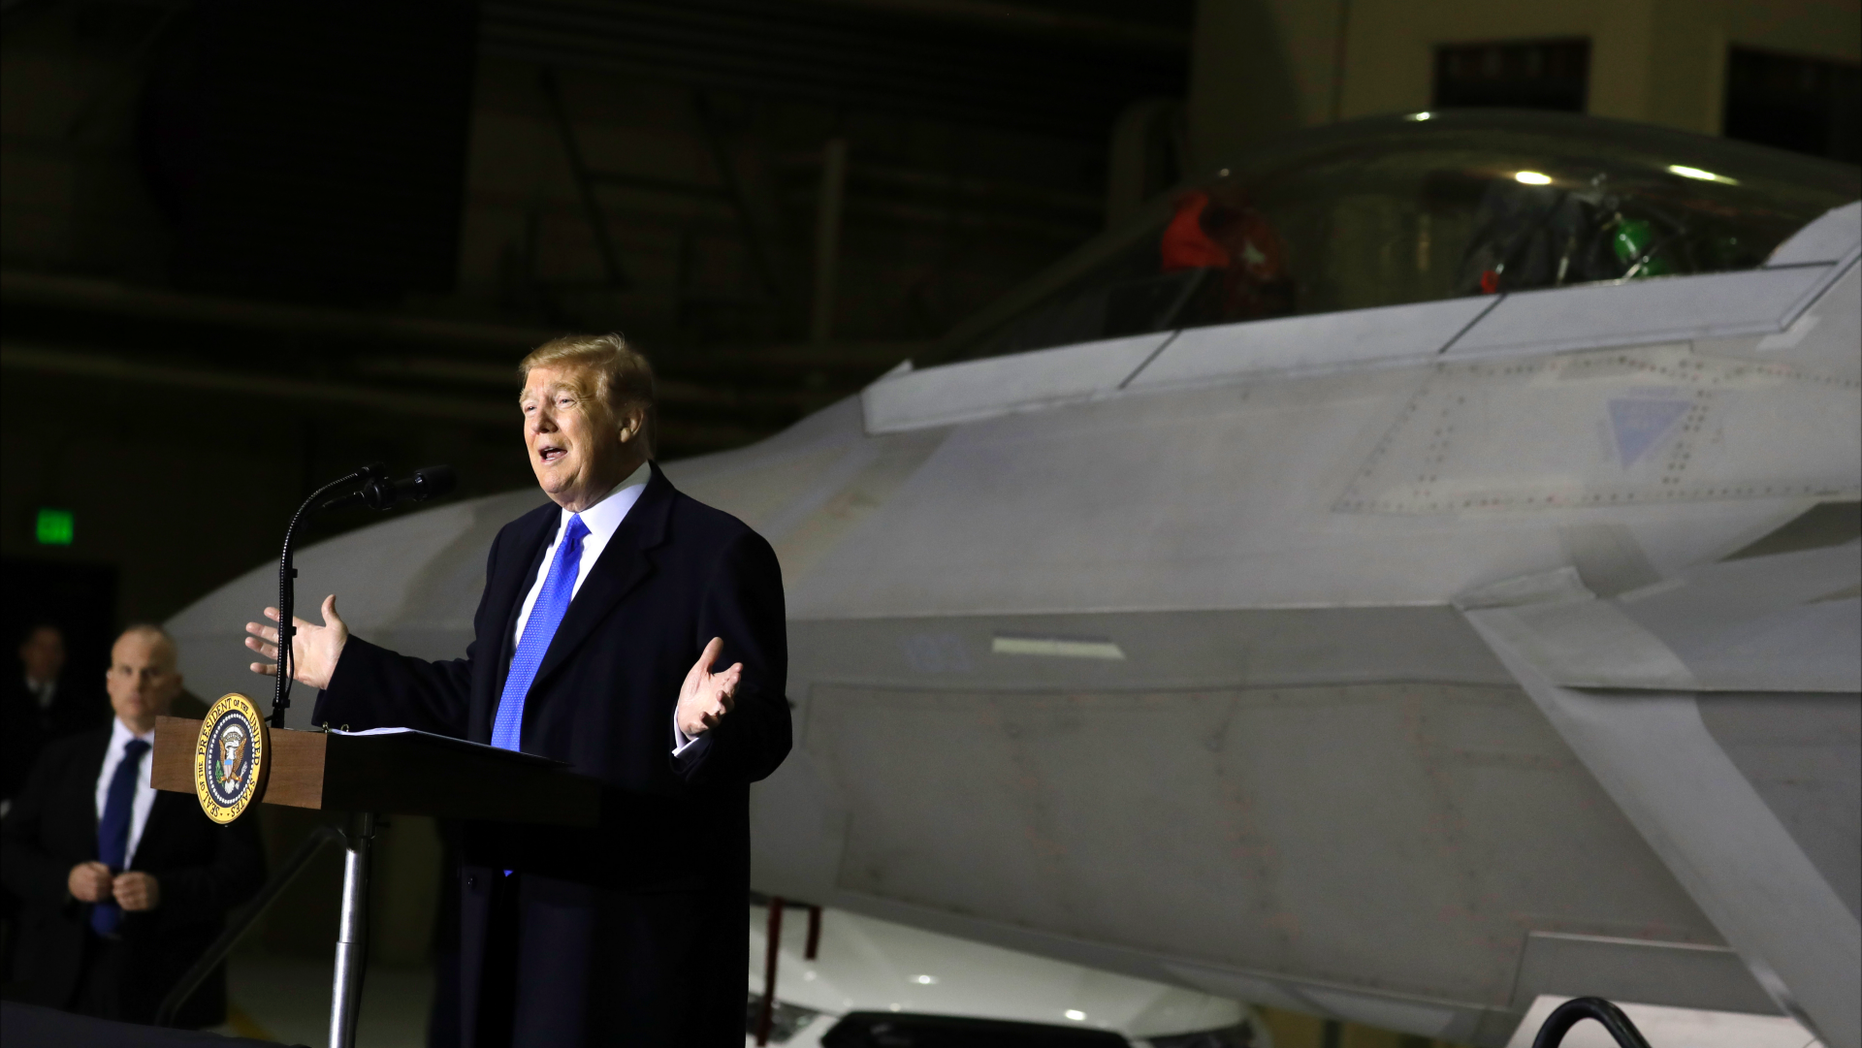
(136, 891)
(314, 649)
(706, 697)
(89, 882)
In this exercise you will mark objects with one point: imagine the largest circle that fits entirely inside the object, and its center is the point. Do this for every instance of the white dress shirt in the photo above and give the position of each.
(144, 795)
(43, 691)
(602, 519)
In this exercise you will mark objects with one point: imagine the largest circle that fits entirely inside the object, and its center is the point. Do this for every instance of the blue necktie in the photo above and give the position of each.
(507, 731)
(113, 830)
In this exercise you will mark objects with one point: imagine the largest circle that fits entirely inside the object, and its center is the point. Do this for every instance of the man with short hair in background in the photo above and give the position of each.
(42, 657)
(122, 887)
(40, 705)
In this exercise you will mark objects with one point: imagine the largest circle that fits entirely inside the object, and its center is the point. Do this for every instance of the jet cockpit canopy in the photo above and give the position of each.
(1414, 208)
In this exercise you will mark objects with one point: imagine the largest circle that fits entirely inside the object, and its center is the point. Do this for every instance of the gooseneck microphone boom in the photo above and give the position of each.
(382, 493)
(377, 492)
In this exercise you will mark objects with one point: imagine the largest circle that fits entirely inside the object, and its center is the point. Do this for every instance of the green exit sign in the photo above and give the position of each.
(56, 527)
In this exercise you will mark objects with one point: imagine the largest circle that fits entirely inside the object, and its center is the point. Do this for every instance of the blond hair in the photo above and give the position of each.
(623, 378)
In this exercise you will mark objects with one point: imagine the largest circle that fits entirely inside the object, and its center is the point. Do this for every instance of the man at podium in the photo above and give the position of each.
(602, 638)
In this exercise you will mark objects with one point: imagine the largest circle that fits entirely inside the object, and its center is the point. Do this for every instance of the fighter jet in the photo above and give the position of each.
(1402, 575)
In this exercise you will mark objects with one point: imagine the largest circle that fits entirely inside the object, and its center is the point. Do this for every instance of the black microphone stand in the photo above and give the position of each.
(287, 583)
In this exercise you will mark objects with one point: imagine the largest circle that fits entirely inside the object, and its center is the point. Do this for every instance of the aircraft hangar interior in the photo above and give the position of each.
(1300, 523)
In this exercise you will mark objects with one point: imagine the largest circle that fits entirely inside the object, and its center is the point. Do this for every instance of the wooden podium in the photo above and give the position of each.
(407, 773)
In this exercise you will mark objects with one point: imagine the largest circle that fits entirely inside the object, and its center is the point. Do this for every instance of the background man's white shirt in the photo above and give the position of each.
(144, 794)
(43, 691)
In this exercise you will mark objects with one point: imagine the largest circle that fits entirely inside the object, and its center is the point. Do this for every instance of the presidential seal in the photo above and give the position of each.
(231, 758)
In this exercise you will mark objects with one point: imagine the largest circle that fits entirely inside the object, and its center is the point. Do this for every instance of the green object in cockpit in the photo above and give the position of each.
(1632, 242)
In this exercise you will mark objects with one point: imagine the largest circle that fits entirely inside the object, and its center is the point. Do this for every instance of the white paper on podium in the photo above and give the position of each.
(454, 741)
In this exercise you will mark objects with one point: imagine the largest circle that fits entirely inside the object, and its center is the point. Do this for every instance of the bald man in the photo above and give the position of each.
(123, 887)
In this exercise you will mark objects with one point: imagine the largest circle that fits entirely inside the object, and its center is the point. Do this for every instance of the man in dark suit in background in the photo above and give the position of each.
(604, 614)
(40, 706)
(123, 887)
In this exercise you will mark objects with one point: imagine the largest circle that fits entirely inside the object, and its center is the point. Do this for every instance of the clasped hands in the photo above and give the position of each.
(133, 891)
(704, 698)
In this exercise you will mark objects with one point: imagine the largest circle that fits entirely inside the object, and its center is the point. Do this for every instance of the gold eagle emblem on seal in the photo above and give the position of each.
(232, 757)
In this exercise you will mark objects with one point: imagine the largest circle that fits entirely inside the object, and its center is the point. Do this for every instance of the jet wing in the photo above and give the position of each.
(1788, 622)
(1722, 711)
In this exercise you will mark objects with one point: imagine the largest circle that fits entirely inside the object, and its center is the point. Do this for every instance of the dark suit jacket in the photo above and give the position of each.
(204, 870)
(25, 728)
(635, 932)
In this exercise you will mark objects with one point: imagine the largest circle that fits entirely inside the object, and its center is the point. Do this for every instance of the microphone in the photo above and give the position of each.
(381, 493)
(426, 483)
(377, 491)
(367, 473)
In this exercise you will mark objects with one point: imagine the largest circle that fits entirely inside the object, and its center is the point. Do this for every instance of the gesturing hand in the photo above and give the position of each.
(314, 649)
(706, 697)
